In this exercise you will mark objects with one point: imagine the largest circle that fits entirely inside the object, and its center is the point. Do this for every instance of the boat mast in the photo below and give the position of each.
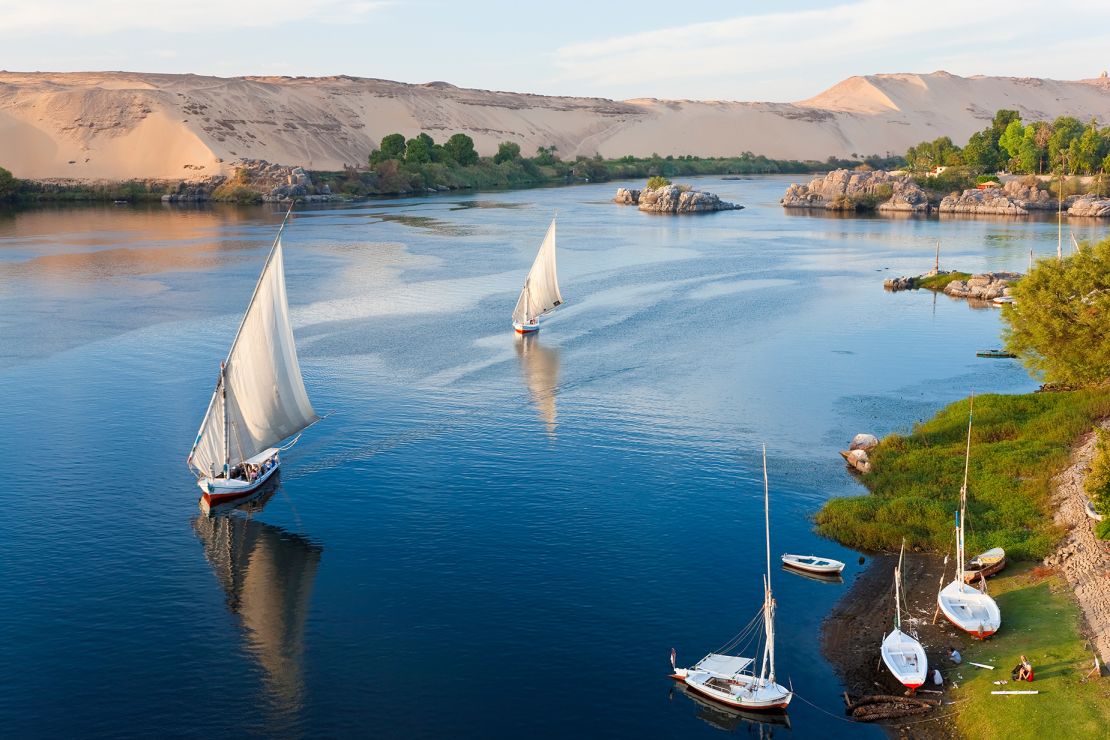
(898, 589)
(963, 498)
(768, 670)
(227, 422)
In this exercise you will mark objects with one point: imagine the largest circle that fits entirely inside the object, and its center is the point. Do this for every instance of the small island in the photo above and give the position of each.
(662, 196)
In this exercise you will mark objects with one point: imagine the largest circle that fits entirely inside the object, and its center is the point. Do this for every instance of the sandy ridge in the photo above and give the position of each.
(117, 125)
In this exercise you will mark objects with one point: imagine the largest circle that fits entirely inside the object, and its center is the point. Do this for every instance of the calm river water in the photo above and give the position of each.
(485, 537)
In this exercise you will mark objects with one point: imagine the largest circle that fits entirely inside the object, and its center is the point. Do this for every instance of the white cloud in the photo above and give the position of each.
(95, 17)
(784, 49)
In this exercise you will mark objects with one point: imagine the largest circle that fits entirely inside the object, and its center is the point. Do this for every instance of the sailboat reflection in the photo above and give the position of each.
(730, 719)
(267, 574)
(540, 366)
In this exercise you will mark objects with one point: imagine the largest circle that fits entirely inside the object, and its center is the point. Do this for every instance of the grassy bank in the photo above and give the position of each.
(1018, 444)
(1041, 621)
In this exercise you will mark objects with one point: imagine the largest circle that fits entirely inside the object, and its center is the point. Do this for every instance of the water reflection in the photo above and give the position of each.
(540, 367)
(267, 575)
(724, 718)
(814, 576)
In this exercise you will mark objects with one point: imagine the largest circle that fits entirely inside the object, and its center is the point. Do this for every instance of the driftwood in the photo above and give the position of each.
(883, 706)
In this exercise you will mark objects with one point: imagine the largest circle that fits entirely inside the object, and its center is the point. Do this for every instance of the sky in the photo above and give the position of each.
(739, 50)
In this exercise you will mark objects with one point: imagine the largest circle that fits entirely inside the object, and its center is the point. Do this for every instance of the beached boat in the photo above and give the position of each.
(1002, 300)
(259, 400)
(540, 294)
(969, 608)
(729, 679)
(813, 564)
(902, 653)
(985, 565)
(994, 353)
(1091, 511)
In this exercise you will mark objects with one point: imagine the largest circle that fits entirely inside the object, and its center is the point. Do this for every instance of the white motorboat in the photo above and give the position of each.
(540, 294)
(901, 652)
(813, 564)
(259, 399)
(731, 680)
(969, 608)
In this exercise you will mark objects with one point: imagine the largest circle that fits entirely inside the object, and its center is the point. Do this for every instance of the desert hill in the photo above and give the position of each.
(118, 125)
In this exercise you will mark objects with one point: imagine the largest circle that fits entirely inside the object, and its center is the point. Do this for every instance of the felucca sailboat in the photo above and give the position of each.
(540, 294)
(902, 653)
(731, 679)
(966, 606)
(259, 399)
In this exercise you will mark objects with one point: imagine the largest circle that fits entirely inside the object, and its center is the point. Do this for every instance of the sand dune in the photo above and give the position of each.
(114, 125)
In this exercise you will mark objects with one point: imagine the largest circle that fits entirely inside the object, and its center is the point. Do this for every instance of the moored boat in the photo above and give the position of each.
(540, 294)
(1092, 512)
(259, 400)
(985, 565)
(902, 653)
(967, 607)
(731, 680)
(1001, 353)
(813, 564)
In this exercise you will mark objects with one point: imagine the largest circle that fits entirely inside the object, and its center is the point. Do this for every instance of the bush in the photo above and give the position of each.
(657, 181)
(1097, 484)
(507, 151)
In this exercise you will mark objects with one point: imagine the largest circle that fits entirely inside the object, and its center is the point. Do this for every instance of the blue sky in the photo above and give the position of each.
(704, 49)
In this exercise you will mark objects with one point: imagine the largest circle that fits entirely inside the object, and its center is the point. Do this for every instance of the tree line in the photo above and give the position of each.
(1063, 146)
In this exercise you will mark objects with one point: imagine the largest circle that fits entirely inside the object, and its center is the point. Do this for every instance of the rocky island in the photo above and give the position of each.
(670, 198)
(893, 192)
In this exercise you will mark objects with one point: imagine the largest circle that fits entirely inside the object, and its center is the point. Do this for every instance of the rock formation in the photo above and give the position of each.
(1090, 206)
(865, 442)
(843, 190)
(908, 197)
(984, 287)
(673, 199)
(989, 202)
(857, 459)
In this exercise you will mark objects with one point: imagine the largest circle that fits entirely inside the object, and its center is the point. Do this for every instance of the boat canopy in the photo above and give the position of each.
(263, 456)
(725, 666)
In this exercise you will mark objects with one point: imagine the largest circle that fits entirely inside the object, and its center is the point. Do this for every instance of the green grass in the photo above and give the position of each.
(1040, 620)
(1018, 444)
(940, 281)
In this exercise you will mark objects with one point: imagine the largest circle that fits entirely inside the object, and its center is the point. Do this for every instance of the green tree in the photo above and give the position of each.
(507, 151)
(1030, 156)
(9, 186)
(1064, 129)
(545, 156)
(419, 149)
(460, 148)
(1002, 119)
(392, 147)
(1059, 323)
(982, 153)
(1010, 139)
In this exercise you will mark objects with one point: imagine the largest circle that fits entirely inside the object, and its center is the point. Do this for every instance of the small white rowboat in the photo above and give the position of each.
(813, 564)
(1092, 513)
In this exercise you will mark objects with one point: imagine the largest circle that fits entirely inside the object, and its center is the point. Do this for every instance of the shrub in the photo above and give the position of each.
(1097, 484)
(657, 181)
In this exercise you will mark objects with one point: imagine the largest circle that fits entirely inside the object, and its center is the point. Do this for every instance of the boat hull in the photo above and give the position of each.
(772, 705)
(215, 492)
(969, 609)
(905, 659)
(826, 566)
(526, 328)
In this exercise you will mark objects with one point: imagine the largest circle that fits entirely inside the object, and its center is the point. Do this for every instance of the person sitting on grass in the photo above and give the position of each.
(1023, 671)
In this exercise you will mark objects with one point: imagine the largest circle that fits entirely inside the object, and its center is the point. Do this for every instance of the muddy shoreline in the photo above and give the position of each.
(853, 631)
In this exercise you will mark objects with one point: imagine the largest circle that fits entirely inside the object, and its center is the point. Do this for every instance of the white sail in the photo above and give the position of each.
(541, 288)
(261, 400)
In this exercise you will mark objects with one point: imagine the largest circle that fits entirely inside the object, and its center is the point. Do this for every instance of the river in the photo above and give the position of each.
(484, 537)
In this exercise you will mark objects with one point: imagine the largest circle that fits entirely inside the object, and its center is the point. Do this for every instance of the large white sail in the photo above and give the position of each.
(262, 394)
(541, 287)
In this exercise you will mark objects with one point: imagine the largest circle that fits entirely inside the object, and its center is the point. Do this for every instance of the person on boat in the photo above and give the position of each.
(954, 654)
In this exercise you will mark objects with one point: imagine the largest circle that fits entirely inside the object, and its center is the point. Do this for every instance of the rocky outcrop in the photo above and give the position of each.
(198, 191)
(989, 202)
(1030, 197)
(273, 183)
(857, 460)
(673, 199)
(1090, 206)
(984, 287)
(842, 190)
(627, 197)
(908, 197)
(1082, 557)
(865, 442)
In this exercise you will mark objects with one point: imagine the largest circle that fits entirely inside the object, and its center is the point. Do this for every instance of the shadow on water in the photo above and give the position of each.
(540, 367)
(724, 718)
(267, 575)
